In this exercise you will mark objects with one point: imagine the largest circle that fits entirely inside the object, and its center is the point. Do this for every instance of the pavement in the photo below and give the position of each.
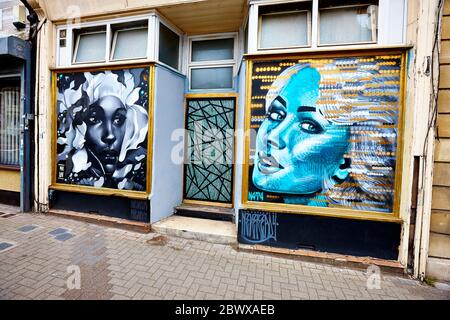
(48, 257)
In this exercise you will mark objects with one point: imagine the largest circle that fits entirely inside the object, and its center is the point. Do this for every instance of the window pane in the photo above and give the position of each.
(284, 30)
(91, 47)
(131, 44)
(212, 78)
(346, 25)
(9, 125)
(210, 50)
(169, 46)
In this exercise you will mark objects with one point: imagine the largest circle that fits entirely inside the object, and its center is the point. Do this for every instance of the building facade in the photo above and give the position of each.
(306, 124)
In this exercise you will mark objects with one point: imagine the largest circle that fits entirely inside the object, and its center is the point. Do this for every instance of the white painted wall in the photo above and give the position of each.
(239, 156)
(167, 176)
(392, 22)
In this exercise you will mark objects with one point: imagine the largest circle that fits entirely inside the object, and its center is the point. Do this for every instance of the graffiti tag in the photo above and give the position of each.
(257, 227)
(255, 196)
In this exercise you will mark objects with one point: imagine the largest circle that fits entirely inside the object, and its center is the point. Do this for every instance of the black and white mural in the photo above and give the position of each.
(102, 128)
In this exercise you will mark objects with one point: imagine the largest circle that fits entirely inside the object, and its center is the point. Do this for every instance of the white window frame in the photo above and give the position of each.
(77, 44)
(391, 29)
(161, 20)
(374, 34)
(213, 63)
(308, 28)
(65, 56)
(114, 42)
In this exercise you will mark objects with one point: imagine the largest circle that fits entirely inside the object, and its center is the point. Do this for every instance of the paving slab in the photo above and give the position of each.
(101, 262)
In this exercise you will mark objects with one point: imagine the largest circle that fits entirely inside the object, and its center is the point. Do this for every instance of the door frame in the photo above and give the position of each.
(218, 95)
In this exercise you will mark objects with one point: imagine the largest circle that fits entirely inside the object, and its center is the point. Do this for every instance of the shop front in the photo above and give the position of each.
(15, 122)
(294, 121)
(323, 157)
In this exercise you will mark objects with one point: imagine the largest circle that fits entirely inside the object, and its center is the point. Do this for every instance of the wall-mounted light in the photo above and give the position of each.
(19, 16)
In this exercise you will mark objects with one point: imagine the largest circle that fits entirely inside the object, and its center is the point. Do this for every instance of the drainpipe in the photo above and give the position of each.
(27, 113)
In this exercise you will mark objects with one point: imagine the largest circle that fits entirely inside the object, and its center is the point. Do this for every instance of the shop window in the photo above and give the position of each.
(90, 45)
(9, 123)
(284, 26)
(347, 24)
(212, 78)
(212, 62)
(169, 47)
(129, 41)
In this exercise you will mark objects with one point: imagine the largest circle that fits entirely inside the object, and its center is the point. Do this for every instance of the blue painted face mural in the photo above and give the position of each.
(297, 148)
(326, 132)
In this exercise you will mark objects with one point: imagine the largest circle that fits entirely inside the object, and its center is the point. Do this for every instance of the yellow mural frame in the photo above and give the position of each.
(138, 195)
(345, 213)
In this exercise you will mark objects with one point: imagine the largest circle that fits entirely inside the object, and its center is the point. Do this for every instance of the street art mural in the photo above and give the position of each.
(102, 128)
(326, 132)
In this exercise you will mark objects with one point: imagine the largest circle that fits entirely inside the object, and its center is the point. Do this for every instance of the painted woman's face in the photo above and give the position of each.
(296, 147)
(105, 121)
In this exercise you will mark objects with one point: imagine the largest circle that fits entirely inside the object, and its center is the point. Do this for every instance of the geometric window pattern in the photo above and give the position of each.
(209, 158)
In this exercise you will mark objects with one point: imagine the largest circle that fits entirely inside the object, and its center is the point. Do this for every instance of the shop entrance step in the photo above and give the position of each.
(205, 212)
(222, 232)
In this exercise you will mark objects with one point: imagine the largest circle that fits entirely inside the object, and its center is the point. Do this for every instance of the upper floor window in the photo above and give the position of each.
(347, 24)
(284, 26)
(129, 40)
(289, 25)
(137, 38)
(90, 45)
(169, 46)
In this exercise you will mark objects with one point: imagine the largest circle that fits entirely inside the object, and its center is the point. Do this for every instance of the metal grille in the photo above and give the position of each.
(9, 126)
(209, 168)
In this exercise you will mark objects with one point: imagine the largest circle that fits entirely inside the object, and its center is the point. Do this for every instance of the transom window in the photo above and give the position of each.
(212, 62)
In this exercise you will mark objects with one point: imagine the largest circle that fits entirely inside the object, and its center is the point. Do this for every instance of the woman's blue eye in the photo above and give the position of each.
(310, 127)
(275, 116)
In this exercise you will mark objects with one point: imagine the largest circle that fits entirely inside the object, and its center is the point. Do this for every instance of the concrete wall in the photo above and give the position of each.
(438, 264)
(6, 24)
(167, 176)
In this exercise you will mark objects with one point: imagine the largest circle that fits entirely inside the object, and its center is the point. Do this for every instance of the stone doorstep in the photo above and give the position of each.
(214, 231)
(129, 225)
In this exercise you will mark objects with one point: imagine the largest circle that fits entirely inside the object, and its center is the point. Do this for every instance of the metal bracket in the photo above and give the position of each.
(427, 66)
(27, 119)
